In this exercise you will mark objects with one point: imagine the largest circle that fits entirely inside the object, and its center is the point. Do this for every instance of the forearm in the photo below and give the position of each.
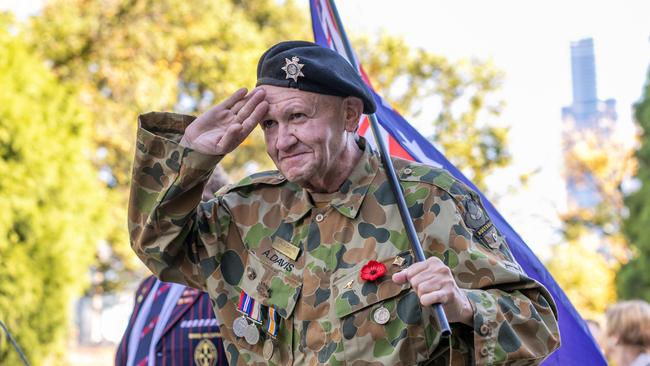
(165, 192)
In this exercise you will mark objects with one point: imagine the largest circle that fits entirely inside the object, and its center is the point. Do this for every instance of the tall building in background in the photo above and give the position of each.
(586, 120)
(586, 111)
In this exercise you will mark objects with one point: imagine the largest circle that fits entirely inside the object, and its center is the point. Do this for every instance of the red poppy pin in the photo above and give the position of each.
(372, 271)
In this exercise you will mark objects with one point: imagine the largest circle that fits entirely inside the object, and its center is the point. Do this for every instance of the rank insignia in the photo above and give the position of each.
(293, 68)
(205, 353)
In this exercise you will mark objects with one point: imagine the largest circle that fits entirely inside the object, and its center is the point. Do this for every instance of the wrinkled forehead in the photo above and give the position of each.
(279, 97)
(276, 94)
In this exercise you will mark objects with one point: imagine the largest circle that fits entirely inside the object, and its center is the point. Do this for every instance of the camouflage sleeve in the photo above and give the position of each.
(515, 319)
(165, 212)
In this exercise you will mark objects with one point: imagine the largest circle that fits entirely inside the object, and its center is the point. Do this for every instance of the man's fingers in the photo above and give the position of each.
(230, 139)
(435, 297)
(255, 99)
(238, 106)
(411, 271)
(229, 102)
(258, 113)
(428, 286)
(235, 109)
(400, 277)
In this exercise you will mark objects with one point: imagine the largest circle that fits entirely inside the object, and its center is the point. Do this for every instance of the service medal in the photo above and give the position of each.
(268, 349)
(252, 334)
(239, 326)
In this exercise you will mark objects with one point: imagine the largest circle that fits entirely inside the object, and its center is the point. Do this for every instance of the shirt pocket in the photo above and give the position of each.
(275, 288)
(383, 321)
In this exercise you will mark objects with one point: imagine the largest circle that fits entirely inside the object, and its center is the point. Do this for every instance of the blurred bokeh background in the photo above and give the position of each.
(512, 93)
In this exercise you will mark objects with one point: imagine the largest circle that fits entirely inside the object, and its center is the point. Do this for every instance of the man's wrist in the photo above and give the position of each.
(467, 311)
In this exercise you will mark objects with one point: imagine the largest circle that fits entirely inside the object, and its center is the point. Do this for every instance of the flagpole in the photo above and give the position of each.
(392, 178)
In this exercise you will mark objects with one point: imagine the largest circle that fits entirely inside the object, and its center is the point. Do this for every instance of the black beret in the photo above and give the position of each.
(310, 67)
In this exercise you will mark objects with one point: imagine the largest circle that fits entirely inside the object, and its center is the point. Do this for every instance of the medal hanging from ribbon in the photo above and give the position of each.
(250, 307)
(272, 326)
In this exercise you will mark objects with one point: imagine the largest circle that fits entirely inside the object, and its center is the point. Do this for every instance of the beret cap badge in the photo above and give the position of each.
(293, 68)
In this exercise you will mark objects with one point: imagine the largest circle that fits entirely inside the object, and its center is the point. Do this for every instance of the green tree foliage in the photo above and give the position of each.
(584, 275)
(52, 203)
(465, 93)
(134, 56)
(633, 279)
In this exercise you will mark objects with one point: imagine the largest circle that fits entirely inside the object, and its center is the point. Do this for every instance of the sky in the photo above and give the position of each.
(529, 41)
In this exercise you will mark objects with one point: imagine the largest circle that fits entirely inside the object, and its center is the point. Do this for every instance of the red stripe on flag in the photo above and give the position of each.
(329, 10)
(363, 126)
(395, 149)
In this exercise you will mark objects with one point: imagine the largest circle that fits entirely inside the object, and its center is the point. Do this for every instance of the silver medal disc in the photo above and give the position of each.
(239, 326)
(268, 349)
(252, 334)
(381, 315)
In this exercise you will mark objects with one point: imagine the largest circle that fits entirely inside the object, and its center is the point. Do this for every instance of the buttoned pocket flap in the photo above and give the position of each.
(270, 286)
(354, 293)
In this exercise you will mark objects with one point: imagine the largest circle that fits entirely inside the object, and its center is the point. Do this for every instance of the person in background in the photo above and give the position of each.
(172, 324)
(628, 333)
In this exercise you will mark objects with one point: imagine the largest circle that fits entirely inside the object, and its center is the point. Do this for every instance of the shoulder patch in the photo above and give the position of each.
(269, 177)
(468, 202)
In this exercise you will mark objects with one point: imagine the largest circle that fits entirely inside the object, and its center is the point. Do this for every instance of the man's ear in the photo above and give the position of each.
(352, 111)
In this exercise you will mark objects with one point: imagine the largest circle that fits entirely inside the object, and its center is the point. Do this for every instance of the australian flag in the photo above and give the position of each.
(578, 346)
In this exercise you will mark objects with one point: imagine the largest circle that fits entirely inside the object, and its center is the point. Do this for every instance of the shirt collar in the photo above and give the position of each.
(348, 199)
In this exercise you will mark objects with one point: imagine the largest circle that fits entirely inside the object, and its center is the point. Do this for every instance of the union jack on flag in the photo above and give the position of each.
(578, 346)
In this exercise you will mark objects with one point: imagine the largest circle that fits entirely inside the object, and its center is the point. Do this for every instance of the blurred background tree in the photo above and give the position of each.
(633, 280)
(460, 98)
(598, 160)
(134, 56)
(53, 203)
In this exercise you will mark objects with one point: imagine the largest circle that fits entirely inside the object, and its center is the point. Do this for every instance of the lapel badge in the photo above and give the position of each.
(205, 353)
(399, 261)
(292, 68)
(348, 285)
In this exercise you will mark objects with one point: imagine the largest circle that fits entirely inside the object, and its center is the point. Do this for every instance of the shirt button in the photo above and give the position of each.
(484, 351)
(485, 330)
(251, 274)
(320, 217)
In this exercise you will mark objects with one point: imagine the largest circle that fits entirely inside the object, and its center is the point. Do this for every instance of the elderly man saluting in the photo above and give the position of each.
(310, 264)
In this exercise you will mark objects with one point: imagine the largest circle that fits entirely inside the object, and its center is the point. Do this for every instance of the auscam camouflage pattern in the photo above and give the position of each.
(242, 240)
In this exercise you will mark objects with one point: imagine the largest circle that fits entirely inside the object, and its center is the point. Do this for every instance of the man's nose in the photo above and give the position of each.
(286, 138)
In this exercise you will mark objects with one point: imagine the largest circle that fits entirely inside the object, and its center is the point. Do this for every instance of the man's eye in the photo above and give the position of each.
(297, 116)
(268, 123)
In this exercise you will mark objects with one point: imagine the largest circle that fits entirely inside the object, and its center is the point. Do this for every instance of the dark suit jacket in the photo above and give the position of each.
(191, 336)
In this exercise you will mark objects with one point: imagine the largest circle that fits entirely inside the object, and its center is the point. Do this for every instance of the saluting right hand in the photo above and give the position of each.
(223, 127)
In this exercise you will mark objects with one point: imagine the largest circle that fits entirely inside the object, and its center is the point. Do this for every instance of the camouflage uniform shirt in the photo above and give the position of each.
(238, 242)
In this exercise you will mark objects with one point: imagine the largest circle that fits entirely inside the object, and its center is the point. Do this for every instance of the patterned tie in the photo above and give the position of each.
(142, 353)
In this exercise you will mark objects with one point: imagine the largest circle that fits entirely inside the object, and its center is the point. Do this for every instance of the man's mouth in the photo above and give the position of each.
(292, 156)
